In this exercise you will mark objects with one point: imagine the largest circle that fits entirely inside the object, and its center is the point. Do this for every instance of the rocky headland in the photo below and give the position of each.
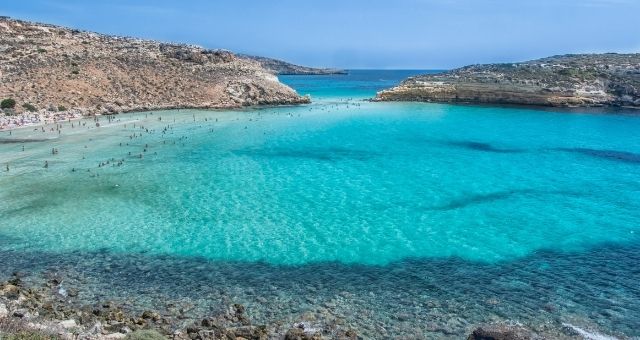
(280, 67)
(52, 71)
(582, 80)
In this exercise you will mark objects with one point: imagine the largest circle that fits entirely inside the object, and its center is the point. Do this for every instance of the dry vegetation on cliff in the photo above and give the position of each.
(47, 68)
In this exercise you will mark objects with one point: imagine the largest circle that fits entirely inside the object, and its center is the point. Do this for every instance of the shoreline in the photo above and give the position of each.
(49, 307)
(189, 298)
(593, 109)
(7, 122)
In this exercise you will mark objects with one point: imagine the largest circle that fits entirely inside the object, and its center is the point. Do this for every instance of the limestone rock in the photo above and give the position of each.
(284, 68)
(570, 80)
(4, 312)
(67, 324)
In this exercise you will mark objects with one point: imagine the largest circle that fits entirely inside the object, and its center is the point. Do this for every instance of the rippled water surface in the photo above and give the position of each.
(413, 219)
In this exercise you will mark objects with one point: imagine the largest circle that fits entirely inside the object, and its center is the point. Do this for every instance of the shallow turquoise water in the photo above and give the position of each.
(342, 181)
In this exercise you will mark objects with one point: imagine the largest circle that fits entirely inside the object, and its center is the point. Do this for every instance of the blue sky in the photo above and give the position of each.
(408, 34)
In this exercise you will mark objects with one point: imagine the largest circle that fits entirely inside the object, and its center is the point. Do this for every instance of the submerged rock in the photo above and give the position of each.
(20, 313)
(151, 315)
(298, 333)
(500, 332)
(10, 291)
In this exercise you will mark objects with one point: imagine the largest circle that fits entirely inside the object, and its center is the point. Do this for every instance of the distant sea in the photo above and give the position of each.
(398, 219)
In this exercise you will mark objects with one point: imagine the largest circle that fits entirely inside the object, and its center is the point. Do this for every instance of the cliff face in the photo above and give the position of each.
(570, 80)
(284, 68)
(51, 68)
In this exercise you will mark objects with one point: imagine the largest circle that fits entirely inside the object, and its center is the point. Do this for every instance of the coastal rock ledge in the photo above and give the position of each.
(46, 68)
(570, 80)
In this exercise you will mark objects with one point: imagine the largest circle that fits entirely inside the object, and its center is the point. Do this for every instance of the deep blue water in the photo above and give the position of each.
(397, 219)
(360, 84)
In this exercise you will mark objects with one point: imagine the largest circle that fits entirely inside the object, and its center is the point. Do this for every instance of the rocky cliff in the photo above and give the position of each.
(568, 80)
(47, 68)
(284, 68)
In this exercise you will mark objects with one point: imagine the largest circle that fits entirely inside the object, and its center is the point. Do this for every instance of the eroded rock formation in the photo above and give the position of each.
(569, 80)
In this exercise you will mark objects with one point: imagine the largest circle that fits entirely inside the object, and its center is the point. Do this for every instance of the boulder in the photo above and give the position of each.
(4, 312)
(20, 313)
(67, 324)
(10, 291)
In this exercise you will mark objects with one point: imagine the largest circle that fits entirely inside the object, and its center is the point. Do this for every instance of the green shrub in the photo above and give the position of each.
(41, 50)
(148, 334)
(29, 107)
(62, 108)
(28, 335)
(75, 72)
(8, 103)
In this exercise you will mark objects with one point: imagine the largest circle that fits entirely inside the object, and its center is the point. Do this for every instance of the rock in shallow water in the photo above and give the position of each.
(300, 334)
(500, 332)
(145, 335)
(10, 291)
(20, 313)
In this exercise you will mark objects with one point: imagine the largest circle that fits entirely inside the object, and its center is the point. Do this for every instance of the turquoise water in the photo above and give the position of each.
(457, 204)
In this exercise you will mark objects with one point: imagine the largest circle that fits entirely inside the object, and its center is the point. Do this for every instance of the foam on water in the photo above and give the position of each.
(338, 181)
(589, 335)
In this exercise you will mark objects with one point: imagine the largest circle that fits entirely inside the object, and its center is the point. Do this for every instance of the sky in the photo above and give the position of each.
(381, 34)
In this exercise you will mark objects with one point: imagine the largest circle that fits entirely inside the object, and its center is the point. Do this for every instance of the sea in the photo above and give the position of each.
(397, 220)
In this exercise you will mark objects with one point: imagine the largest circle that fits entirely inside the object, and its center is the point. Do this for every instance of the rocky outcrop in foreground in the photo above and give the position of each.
(280, 67)
(46, 68)
(569, 80)
(53, 309)
(49, 312)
